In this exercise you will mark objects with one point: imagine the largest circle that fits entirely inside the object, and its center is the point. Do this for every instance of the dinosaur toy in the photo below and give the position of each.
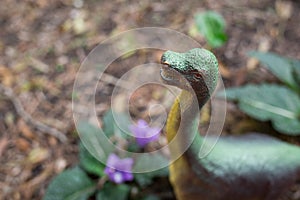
(247, 167)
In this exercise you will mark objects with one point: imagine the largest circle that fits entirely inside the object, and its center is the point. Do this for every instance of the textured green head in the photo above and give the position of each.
(198, 66)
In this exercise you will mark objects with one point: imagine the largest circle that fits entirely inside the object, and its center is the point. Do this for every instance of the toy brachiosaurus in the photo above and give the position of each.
(251, 166)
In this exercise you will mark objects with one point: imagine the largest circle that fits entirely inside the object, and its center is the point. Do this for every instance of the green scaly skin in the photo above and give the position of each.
(252, 166)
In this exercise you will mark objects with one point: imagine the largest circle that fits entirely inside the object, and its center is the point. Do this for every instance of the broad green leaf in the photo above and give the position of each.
(280, 66)
(212, 26)
(115, 123)
(72, 184)
(112, 191)
(108, 123)
(269, 102)
(133, 147)
(89, 163)
(144, 179)
(151, 197)
(296, 73)
(94, 139)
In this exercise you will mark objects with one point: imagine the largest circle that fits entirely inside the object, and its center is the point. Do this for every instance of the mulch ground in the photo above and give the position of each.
(42, 44)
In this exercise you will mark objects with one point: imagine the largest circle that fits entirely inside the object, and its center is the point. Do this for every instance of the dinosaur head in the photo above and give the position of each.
(195, 69)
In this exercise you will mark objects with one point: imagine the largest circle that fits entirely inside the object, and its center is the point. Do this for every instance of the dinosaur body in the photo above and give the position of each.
(252, 166)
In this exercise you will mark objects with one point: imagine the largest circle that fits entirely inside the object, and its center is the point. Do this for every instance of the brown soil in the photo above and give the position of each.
(42, 44)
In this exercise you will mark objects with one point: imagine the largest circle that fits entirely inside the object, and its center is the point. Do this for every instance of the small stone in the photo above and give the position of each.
(60, 165)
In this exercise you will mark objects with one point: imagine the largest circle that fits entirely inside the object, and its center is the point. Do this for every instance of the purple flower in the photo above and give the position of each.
(119, 170)
(143, 133)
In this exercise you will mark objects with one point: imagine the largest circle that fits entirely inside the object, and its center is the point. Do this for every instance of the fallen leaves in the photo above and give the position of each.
(6, 76)
(32, 185)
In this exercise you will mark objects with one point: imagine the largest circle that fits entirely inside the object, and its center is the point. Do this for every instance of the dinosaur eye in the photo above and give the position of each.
(197, 75)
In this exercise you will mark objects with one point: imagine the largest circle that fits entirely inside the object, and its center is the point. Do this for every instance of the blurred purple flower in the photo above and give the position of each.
(143, 133)
(119, 170)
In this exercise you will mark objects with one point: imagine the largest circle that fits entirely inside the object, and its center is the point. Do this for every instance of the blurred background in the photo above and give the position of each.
(42, 44)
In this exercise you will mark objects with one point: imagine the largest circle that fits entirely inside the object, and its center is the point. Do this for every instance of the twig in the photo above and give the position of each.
(27, 118)
(101, 182)
(3, 144)
(107, 78)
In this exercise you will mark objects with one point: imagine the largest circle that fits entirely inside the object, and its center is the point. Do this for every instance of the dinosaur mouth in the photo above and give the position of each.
(169, 75)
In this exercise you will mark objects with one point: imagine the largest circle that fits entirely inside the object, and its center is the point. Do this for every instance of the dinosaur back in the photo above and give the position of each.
(248, 167)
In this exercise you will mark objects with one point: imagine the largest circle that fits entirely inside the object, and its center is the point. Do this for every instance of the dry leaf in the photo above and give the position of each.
(25, 130)
(22, 144)
(38, 155)
(225, 72)
(252, 63)
(264, 44)
(52, 141)
(284, 9)
(6, 76)
(119, 102)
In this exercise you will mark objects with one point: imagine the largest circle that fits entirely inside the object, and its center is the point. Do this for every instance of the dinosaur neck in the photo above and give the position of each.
(183, 121)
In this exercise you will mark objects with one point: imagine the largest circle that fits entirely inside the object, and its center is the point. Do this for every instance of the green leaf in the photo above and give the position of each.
(112, 191)
(151, 197)
(115, 123)
(94, 139)
(146, 178)
(296, 73)
(270, 102)
(89, 163)
(212, 26)
(133, 147)
(280, 66)
(72, 184)
(108, 123)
